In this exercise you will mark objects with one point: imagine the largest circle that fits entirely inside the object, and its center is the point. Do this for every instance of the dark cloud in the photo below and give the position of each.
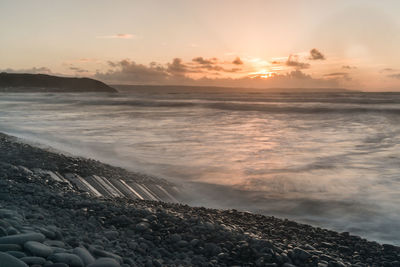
(177, 67)
(203, 61)
(348, 67)
(387, 70)
(276, 62)
(338, 75)
(237, 61)
(179, 72)
(293, 61)
(394, 76)
(316, 55)
(78, 70)
(126, 71)
(202, 65)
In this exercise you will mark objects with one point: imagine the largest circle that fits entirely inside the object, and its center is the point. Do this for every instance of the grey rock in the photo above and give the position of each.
(111, 235)
(17, 254)
(71, 259)
(3, 232)
(301, 254)
(84, 254)
(12, 231)
(9, 247)
(6, 260)
(22, 238)
(105, 262)
(106, 254)
(55, 243)
(38, 249)
(33, 260)
(143, 226)
(48, 233)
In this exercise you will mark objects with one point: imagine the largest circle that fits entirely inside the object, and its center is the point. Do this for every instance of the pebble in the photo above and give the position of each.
(104, 262)
(38, 249)
(17, 254)
(20, 239)
(84, 254)
(6, 260)
(142, 226)
(71, 259)
(99, 232)
(9, 247)
(33, 260)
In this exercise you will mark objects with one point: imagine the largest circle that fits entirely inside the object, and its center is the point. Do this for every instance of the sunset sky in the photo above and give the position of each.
(350, 43)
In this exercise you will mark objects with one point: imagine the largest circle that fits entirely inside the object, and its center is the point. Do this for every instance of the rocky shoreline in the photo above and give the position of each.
(49, 223)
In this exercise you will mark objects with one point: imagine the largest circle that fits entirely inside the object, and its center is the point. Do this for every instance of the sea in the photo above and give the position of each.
(327, 159)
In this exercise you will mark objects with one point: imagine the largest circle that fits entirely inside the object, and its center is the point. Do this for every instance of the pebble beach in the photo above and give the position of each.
(45, 222)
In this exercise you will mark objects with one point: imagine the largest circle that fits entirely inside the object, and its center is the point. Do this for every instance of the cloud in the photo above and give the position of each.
(339, 75)
(336, 74)
(78, 70)
(118, 36)
(178, 72)
(34, 70)
(177, 67)
(202, 65)
(293, 61)
(237, 61)
(203, 61)
(387, 70)
(394, 76)
(348, 67)
(126, 71)
(293, 79)
(316, 55)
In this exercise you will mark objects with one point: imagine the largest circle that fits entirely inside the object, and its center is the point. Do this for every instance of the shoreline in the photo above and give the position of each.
(134, 232)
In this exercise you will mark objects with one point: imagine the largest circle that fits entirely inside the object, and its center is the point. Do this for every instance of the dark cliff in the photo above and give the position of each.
(16, 82)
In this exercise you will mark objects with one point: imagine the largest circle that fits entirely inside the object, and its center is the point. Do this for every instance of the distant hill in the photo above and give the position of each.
(16, 82)
(211, 89)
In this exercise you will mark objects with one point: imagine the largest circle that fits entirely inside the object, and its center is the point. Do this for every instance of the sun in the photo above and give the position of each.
(262, 74)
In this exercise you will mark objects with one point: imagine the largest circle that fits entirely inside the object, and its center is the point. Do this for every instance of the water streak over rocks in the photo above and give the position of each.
(54, 225)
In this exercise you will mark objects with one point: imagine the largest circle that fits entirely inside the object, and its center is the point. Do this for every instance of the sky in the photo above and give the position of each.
(300, 43)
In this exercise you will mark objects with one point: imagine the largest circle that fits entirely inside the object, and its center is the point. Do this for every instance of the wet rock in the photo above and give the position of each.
(84, 254)
(3, 232)
(17, 254)
(301, 254)
(33, 260)
(57, 265)
(71, 259)
(22, 238)
(111, 235)
(9, 247)
(55, 243)
(38, 249)
(105, 262)
(6, 260)
(106, 254)
(143, 226)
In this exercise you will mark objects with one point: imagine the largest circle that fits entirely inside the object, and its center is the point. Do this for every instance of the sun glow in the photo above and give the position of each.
(262, 74)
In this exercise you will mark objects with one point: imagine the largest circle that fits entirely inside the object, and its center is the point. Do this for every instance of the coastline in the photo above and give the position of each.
(134, 232)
